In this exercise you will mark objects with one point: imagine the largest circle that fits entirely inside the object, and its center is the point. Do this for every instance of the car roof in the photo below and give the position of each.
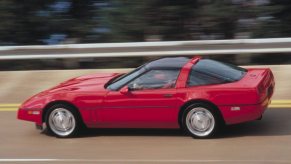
(168, 63)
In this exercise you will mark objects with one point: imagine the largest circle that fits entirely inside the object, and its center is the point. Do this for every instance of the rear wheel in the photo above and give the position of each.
(201, 121)
(62, 121)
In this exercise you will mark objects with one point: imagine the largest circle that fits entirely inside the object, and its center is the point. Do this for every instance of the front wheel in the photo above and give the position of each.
(200, 121)
(62, 121)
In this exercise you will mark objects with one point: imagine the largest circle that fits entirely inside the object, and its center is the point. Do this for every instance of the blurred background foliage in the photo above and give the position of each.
(47, 22)
(92, 21)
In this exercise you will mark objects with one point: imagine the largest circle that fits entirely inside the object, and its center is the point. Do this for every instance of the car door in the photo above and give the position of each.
(149, 101)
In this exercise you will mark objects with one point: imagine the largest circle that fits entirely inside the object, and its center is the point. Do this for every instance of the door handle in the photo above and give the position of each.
(168, 95)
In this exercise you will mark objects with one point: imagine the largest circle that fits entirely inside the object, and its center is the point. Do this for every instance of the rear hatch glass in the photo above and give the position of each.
(224, 71)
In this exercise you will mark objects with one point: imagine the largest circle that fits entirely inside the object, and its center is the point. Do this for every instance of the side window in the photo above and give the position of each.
(197, 78)
(155, 79)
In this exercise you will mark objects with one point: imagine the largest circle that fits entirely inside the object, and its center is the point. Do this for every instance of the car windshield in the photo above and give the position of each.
(120, 81)
(216, 69)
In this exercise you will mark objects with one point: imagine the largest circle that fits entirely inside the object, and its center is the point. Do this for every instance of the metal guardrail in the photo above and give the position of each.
(136, 49)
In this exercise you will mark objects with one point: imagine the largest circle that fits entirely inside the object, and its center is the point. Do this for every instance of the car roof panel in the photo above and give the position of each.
(168, 63)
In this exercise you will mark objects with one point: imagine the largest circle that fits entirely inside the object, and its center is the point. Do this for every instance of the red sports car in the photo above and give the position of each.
(197, 95)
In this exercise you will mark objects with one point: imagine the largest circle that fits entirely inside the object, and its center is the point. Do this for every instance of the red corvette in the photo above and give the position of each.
(198, 95)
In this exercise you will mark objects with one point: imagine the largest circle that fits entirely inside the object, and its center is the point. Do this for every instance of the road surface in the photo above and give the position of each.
(264, 141)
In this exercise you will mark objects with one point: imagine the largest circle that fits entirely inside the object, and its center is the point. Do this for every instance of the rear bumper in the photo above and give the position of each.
(243, 113)
(33, 115)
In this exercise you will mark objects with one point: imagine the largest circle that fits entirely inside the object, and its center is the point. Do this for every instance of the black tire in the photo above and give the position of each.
(196, 116)
(71, 112)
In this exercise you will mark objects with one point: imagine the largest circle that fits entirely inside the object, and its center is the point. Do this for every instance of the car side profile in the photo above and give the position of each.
(197, 95)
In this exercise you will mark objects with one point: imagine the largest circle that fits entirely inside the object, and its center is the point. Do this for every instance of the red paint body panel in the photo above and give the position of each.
(247, 112)
(143, 109)
(24, 114)
(156, 108)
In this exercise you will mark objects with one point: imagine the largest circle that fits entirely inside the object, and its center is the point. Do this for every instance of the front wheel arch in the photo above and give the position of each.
(49, 105)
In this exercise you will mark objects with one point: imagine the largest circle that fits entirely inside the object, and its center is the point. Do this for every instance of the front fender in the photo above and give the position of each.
(32, 109)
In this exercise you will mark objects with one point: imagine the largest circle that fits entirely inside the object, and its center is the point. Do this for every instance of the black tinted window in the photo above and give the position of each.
(155, 79)
(213, 72)
(196, 79)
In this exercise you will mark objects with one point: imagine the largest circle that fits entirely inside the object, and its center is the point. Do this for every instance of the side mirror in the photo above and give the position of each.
(124, 90)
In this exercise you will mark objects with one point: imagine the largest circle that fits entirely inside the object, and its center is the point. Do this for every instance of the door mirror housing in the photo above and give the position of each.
(124, 90)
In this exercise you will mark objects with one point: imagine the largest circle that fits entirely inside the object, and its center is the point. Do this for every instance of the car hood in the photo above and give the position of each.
(97, 81)
(93, 82)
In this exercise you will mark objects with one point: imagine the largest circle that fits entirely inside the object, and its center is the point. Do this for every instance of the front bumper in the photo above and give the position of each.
(33, 115)
(243, 113)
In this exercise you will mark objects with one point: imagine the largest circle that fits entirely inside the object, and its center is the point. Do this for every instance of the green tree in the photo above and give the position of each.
(138, 20)
(282, 17)
(217, 18)
(8, 21)
(126, 20)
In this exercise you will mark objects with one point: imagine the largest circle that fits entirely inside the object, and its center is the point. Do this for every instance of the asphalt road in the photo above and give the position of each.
(264, 141)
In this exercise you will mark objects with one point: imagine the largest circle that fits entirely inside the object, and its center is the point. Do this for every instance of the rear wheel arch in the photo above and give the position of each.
(202, 102)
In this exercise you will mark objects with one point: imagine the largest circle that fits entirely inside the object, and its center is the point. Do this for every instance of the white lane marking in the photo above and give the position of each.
(143, 161)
